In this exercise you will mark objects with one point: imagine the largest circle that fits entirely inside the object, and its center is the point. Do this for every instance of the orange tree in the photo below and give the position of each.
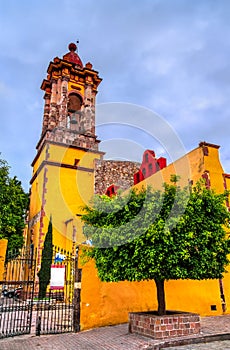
(159, 235)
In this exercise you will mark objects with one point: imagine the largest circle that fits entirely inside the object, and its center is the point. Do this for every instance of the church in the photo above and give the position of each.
(69, 168)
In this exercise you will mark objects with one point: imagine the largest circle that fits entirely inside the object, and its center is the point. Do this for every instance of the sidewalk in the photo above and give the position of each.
(214, 328)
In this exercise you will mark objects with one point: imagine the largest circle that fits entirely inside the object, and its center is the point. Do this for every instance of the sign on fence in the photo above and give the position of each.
(57, 280)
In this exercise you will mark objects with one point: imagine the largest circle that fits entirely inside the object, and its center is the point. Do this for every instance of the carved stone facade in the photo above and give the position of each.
(70, 137)
(111, 172)
(70, 97)
(67, 139)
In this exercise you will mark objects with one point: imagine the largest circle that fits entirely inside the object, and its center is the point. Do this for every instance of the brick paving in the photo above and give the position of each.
(117, 338)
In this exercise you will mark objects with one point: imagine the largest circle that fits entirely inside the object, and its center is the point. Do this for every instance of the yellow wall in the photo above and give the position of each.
(63, 194)
(106, 303)
(3, 248)
(67, 190)
(226, 284)
(109, 303)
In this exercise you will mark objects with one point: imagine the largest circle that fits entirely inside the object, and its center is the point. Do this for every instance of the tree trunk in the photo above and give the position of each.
(160, 296)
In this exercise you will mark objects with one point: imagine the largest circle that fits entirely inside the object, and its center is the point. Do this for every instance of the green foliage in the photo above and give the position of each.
(174, 178)
(161, 235)
(118, 220)
(47, 254)
(13, 206)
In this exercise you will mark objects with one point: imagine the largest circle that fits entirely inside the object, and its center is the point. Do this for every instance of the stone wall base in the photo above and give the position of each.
(173, 324)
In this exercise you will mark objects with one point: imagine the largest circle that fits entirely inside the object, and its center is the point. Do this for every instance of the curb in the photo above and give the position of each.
(180, 342)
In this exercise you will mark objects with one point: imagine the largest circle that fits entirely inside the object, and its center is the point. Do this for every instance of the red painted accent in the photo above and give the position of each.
(150, 165)
(226, 176)
(89, 65)
(149, 151)
(201, 144)
(205, 176)
(205, 150)
(112, 190)
(72, 56)
(162, 162)
(72, 47)
(138, 177)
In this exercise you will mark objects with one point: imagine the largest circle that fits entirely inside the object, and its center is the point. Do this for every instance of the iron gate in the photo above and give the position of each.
(54, 312)
(17, 288)
(22, 310)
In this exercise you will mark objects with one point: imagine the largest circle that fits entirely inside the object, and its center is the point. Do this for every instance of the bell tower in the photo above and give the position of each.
(70, 94)
(63, 168)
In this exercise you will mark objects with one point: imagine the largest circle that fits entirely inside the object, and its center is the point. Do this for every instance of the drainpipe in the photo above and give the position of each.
(222, 297)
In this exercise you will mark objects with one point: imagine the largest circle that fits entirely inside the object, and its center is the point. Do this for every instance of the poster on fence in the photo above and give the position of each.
(57, 280)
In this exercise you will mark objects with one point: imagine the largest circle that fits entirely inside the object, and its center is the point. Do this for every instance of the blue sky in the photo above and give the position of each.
(168, 56)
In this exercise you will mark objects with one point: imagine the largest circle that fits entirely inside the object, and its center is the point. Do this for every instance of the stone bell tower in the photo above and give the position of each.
(70, 93)
(63, 168)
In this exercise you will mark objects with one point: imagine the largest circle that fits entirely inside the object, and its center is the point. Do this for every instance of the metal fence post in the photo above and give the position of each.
(77, 294)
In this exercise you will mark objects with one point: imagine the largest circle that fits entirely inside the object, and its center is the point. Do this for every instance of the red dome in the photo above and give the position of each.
(72, 56)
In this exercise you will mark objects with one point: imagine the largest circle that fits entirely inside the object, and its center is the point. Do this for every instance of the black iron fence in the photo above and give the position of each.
(22, 310)
(16, 291)
(54, 312)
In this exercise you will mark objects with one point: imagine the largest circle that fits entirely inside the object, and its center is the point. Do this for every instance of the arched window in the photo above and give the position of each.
(144, 172)
(150, 168)
(74, 103)
(74, 111)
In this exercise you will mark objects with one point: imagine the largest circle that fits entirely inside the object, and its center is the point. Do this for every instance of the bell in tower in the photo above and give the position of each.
(70, 97)
(74, 111)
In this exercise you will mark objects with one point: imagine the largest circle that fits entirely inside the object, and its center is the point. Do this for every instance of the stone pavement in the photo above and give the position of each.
(215, 334)
(216, 345)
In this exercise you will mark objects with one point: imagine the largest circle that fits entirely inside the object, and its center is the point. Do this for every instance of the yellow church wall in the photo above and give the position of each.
(227, 179)
(72, 86)
(3, 248)
(194, 296)
(63, 202)
(68, 190)
(213, 166)
(35, 209)
(36, 195)
(65, 191)
(109, 303)
(34, 230)
(105, 303)
(38, 160)
(67, 155)
(226, 286)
